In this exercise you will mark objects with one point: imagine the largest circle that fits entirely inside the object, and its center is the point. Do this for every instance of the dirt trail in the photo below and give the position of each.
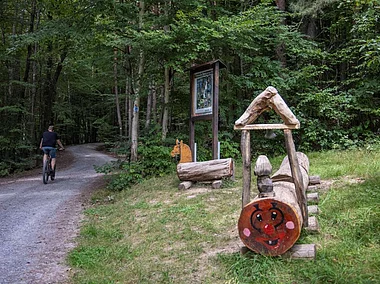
(39, 222)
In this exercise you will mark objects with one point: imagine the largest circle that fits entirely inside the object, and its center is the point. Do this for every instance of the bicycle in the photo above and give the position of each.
(47, 170)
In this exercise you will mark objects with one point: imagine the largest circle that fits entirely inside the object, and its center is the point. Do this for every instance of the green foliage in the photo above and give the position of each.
(154, 161)
(328, 77)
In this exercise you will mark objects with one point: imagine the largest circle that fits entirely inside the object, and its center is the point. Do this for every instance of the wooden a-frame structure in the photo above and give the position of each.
(270, 99)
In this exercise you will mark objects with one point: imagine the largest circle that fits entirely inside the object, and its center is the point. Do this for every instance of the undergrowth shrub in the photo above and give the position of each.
(154, 160)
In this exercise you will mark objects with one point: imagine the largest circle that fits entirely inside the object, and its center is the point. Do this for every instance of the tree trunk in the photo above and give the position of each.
(165, 115)
(149, 107)
(136, 105)
(280, 50)
(116, 90)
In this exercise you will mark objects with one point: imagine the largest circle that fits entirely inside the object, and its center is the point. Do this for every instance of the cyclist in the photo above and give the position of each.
(48, 142)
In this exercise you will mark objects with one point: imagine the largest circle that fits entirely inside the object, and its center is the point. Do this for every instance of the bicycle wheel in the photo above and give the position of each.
(52, 174)
(45, 172)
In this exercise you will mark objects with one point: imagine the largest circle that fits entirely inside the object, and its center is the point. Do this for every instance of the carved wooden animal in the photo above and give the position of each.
(183, 151)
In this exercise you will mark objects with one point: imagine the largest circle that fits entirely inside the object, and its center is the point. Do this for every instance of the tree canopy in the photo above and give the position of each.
(116, 70)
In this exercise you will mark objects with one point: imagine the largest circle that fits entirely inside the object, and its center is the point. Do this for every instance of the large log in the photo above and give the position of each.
(271, 225)
(284, 173)
(205, 171)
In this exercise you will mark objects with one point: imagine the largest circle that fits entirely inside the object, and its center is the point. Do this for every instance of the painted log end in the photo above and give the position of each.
(269, 226)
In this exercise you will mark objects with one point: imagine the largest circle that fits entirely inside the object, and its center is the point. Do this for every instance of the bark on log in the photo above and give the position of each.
(284, 173)
(205, 171)
(271, 225)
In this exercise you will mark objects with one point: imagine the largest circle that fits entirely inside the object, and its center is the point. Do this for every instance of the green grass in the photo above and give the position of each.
(154, 233)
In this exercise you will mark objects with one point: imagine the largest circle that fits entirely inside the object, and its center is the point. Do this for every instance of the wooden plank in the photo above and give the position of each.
(266, 126)
(246, 156)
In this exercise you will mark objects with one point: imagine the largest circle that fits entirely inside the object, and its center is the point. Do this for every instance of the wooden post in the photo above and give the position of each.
(192, 139)
(246, 155)
(215, 112)
(296, 173)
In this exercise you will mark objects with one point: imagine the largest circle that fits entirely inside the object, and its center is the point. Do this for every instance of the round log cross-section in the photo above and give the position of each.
(269, 226)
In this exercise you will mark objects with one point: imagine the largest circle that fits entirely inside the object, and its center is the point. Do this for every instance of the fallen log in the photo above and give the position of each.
(205, 171)
(272, 225)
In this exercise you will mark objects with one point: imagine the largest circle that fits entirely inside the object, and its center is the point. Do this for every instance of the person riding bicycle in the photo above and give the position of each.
(48, 142)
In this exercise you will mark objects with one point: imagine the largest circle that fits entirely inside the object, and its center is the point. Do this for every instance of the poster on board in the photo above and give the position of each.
(203, 92)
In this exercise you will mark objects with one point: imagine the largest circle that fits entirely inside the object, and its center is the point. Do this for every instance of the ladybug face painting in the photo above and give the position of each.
(268, 226)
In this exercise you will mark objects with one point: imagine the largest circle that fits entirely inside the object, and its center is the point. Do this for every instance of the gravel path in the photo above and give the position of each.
(39, 222)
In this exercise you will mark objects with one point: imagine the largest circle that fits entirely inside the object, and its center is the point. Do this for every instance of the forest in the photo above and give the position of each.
(116, 71)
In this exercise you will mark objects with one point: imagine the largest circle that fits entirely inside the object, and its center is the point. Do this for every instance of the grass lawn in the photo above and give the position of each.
(154, 233)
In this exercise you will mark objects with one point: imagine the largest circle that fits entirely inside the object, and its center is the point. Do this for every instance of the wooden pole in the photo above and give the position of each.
(215, 112)
(296, 173)
(246, 155)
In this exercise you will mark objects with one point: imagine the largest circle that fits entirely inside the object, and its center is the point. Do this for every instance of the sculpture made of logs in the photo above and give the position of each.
(271, 223)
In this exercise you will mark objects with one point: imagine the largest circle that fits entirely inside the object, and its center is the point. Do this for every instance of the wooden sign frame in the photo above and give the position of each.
(204, 89)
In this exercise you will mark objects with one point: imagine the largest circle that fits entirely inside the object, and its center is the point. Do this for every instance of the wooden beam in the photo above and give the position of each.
(266, 126)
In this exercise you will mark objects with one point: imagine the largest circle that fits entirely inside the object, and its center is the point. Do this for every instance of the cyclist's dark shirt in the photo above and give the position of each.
(49, 139)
